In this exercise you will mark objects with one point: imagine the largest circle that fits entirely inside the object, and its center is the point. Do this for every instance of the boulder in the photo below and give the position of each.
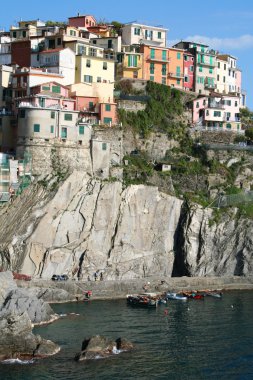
(18, 341)
(20, 300)
(102, 347)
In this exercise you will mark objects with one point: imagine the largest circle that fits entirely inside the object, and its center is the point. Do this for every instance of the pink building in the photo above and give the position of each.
(48, 95)
(95, 112)
(189, 69)
(217, 112)
(82, 21)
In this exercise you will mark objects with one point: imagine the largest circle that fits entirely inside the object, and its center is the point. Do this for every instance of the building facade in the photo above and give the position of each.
(136, 34)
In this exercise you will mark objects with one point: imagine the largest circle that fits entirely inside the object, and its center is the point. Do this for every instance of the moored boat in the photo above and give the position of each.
(176, 296)
(141, 300)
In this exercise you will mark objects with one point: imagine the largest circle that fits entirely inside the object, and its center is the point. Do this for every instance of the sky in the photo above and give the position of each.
(224, 25)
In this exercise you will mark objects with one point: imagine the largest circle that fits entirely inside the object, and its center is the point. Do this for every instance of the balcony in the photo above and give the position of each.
(176, 75)
(157, 59)
(216, 105)
(137, 67)
(210, 86)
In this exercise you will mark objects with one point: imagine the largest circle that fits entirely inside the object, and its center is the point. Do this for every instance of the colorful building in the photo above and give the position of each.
(155, 64)
(82, 21)
(189, 69)
(136, 34)
(205, 66)
(217, 111)
(130, 63)
(176, 68)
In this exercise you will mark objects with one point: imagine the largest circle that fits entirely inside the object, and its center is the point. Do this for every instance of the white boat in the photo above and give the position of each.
(175, 296)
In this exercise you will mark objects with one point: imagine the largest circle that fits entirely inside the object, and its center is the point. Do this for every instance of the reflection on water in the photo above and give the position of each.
(207, 339)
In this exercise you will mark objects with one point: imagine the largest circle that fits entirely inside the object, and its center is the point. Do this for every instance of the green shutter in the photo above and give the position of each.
(129, 61)
(81, 129)
(152, 53)
(107, 120)
(164, 55)
(108, 107)
(51, 129)
(56, 89)
(68, 116)
(135, 60)
(36, 127)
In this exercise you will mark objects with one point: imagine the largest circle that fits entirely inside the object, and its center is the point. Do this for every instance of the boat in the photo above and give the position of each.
(141, 300)
(176, 296)
(214, 294)
(162, 301)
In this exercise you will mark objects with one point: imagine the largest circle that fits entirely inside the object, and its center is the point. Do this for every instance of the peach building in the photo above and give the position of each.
(176, 68)
(155, 64)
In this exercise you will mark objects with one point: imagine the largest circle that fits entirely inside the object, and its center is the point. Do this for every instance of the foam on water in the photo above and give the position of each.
(18, 361)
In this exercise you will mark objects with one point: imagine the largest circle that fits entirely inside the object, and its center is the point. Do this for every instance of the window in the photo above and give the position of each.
(164, 69)
(56, 89)
(132, 60)
(152, 68)
(36, 127)
(88, 78)
(72, 32)
(178, 55)
(51, 129)
(24, 33)
(200, 69)
(159, 35)
(52, 114)
(224, 79)
(135, 74)
(218, 77)
(109, 44)
(202, 49)
(217, 113)
(58, 41)
(191, 68)
(207, 112)
(211, 60)
(91, 104)
(225, 66)
(210, 71)
(88, 63)
(107, 120)
(152, 78)
(108, 107)
(236, 103)
(64, 133)
(178, 81)
(14, 34)
(149, 34)
(68, 116)
(164, 55)
(81, 129)
(197, 105)
(46, 88)
(104, 146)
(218, 65)
(163, 80)
(22, 114)
(99, 79)
(137, 31)
(152, 53)
(104, 65)
(228, 126)
(178, 71)
(186, 79)
(81, 49)
(186, 58)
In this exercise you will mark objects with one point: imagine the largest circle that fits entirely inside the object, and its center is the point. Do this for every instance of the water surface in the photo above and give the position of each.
(210, 339)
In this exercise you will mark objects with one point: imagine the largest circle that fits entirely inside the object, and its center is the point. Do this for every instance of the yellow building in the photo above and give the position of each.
(92, 65)
(131, 66)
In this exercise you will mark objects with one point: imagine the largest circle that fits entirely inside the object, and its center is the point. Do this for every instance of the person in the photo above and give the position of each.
(101, 276)
(95, 276)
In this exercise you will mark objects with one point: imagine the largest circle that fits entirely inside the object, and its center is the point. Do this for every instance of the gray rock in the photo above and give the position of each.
(20, 301)
(102, 347)
(18, 341)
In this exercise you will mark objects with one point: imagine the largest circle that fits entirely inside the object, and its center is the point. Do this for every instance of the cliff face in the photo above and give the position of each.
(91, 225)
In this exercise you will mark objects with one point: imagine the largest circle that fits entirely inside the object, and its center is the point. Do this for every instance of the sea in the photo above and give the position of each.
(195, 339)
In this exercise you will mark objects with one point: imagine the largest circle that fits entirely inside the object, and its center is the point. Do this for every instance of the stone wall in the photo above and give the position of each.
(131, 106)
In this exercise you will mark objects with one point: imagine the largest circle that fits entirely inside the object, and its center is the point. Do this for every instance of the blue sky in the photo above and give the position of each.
(225, 25)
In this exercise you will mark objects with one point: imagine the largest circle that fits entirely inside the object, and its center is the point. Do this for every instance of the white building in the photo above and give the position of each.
(134, 33)
(5, 50)
(58, 61)
(227, 82)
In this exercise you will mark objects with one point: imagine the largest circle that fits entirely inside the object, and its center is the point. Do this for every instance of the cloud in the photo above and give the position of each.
(238, 43)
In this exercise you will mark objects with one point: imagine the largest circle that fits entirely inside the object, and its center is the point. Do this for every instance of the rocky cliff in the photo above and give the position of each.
(89, 226)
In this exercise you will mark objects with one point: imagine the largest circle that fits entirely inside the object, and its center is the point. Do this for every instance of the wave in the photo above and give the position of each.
(18, 361)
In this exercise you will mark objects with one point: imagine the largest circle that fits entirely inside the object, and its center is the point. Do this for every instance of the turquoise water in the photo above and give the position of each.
(210, 339)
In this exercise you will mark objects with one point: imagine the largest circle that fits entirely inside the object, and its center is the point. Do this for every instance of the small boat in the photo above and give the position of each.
(176, 296)
(141, 300)
(214, 294)
(162, 301)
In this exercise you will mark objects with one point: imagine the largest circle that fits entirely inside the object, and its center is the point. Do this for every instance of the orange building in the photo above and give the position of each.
(176, 68)
(155, 64)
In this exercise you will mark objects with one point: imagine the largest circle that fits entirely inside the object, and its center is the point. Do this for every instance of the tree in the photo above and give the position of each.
(249, 133)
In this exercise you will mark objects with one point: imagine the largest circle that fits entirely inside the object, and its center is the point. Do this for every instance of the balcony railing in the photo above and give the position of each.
(157, 59)
(210, 85)
(176, 75)
(215, 105)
